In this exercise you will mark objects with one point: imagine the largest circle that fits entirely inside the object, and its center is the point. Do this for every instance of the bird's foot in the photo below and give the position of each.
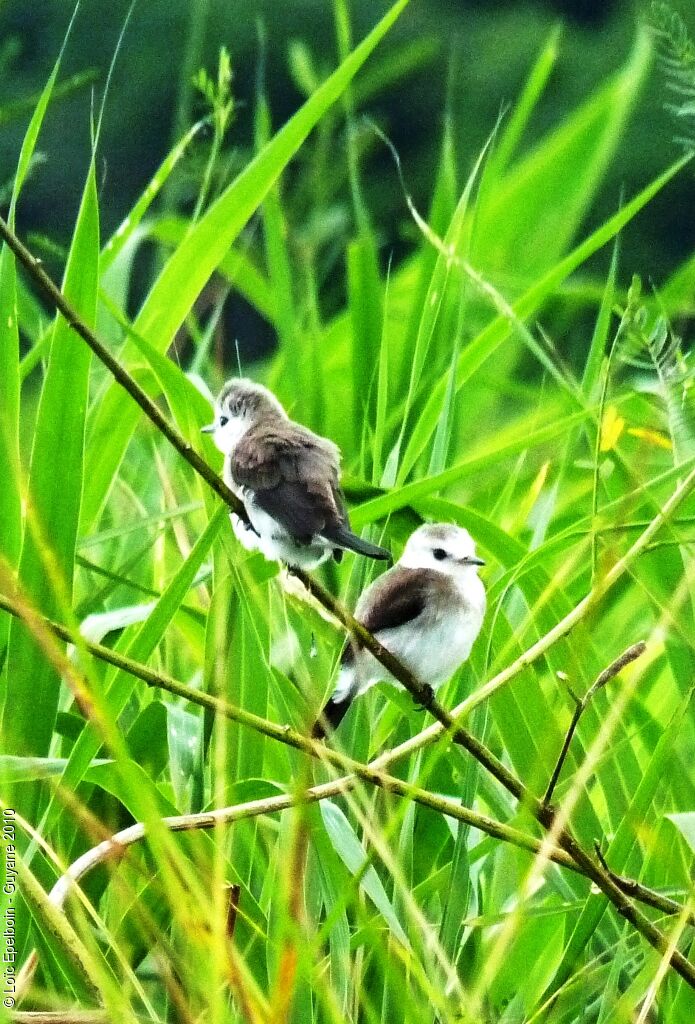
(426, 698)
(245, 533)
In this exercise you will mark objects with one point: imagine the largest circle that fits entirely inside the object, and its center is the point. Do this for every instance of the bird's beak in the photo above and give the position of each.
(210, 429)
(472, 561)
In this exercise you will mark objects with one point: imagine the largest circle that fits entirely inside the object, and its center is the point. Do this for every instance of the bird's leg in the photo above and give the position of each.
(244, 524)
(426, 698)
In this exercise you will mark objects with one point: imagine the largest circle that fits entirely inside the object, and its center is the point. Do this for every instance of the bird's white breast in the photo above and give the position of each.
(434, 645)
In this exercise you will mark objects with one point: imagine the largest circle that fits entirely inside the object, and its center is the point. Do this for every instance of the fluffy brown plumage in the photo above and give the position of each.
(288, 478)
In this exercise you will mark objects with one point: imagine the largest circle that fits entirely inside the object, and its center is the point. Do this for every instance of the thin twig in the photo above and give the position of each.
(629, 885)
(420, 692)
(631, 654)
(233, 898)
(115, 847)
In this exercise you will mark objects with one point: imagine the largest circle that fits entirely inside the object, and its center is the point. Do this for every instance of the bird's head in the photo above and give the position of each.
(442, 546)
(241, 404)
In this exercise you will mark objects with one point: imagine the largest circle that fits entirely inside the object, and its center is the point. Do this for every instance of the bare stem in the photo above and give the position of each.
(628, 656)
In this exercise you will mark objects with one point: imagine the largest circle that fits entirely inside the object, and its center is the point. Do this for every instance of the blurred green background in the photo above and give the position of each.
(470, 57)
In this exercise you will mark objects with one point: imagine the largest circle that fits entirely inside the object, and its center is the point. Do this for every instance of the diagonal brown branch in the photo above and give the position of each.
(421, 693)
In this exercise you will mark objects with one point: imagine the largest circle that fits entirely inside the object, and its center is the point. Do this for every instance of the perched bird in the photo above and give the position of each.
(427, 611)
(287, 478)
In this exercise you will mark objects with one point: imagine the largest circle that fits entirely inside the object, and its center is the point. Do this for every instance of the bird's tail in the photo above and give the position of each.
(346, 539)
(338, 705)
(330, 718)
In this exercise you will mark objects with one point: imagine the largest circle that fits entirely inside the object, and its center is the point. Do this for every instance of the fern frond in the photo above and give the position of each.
(647, 342)
(677, 56)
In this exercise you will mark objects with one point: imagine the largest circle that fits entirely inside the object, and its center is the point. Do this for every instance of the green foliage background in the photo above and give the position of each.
(448, 381)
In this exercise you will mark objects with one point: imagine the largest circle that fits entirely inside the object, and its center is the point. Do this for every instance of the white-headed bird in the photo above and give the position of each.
(427, 611)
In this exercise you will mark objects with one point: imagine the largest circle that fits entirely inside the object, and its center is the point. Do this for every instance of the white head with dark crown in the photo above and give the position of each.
(241, 404)
(448, 548)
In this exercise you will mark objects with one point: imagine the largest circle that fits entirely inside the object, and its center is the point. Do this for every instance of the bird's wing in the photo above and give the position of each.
(397, 597)
(293, 475)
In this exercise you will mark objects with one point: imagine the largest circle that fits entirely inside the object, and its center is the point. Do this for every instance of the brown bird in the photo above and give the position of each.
(287, 477)
(427, 611)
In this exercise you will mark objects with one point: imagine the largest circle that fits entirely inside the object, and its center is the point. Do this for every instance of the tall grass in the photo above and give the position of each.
(309, 887)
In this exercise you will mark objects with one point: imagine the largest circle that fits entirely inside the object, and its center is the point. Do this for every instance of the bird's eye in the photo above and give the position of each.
(439, 554)
(224, 420)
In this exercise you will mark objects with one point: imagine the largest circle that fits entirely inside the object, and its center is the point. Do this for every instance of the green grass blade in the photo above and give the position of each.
(597, 349)
(124, 232)
(55, 491)
(366, 302)
(400, 497)
(442, 296)
(623, 842)
(10, 500)
(531, 219)
(236, 267)
(187, 271)
(445, 426)
(351, 852)
(489, 340)
(10, 472)
(382, 393)
(279, 265)
(515, 126)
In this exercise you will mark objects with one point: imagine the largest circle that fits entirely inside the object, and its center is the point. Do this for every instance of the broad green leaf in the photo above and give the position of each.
(351, 852)
(55, 493)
